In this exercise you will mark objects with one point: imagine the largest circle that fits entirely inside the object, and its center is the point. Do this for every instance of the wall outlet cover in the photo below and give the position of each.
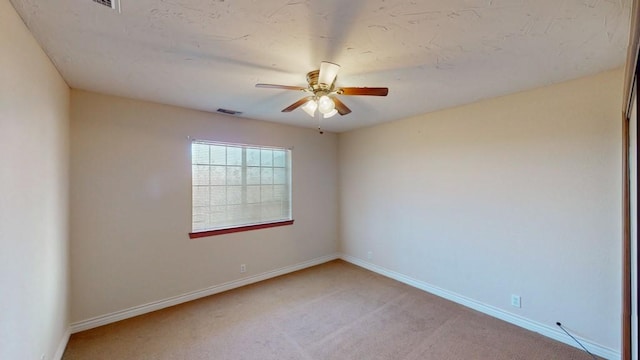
(516, 301)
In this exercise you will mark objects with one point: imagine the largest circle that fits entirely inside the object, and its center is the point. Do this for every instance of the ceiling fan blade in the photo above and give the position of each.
(373, 91)
(328, 73)
(340, 106)
(284, 87)
(297, 104)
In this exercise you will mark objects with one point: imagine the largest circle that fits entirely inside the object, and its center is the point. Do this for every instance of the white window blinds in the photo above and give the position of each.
(239, 185)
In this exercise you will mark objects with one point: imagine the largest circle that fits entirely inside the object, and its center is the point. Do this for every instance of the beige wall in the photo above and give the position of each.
(131, 204)
(34, 120)
(515, 195)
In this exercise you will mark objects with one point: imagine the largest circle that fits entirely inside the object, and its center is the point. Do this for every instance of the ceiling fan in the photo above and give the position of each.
(323, 92)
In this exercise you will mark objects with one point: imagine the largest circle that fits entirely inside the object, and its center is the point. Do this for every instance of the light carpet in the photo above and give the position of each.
(331, 311)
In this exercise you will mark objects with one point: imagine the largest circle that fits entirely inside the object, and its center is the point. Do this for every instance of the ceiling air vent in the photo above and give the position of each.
(114, 4)
(229, 112)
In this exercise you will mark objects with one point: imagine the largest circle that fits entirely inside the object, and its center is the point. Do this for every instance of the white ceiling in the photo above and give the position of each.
(209, 54)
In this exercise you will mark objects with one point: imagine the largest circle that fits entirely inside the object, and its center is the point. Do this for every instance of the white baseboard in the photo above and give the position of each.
(161, 304)
(63, 345)
(520, 321)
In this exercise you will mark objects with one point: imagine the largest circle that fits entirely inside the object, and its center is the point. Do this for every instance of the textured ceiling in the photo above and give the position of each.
(209, 54)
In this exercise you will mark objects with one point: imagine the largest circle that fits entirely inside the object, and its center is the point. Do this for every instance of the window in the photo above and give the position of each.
(239, 187)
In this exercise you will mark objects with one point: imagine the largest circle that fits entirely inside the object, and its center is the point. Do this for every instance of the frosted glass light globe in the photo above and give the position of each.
(325, 104)
(330, 113)
(310, 107)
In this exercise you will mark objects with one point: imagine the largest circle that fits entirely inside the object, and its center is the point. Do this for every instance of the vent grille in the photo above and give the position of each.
(229, 112)
(113, 4)
(104, 2)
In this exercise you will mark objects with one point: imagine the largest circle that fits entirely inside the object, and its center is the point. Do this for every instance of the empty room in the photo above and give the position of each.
(277, 179)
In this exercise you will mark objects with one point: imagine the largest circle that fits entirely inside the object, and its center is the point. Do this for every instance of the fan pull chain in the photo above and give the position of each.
(319, 126)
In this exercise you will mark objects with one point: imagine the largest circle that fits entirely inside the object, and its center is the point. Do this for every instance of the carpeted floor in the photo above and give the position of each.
(332, 311)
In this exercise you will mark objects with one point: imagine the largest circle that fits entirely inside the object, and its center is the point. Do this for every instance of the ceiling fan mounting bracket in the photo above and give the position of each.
(314, 86)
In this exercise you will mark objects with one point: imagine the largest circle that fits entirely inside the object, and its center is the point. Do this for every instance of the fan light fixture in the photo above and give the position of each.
(323, 104)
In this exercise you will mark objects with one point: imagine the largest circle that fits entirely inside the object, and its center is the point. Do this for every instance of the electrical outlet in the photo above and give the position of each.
(243, 268)
(516, 301)
(369, 254)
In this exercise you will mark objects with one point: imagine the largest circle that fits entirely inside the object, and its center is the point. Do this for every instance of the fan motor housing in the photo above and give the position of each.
(312, 79)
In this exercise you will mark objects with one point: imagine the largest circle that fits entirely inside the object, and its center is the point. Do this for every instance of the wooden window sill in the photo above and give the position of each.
(205, 233)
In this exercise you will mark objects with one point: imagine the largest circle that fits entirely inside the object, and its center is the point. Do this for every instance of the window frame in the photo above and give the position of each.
(233, 228)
